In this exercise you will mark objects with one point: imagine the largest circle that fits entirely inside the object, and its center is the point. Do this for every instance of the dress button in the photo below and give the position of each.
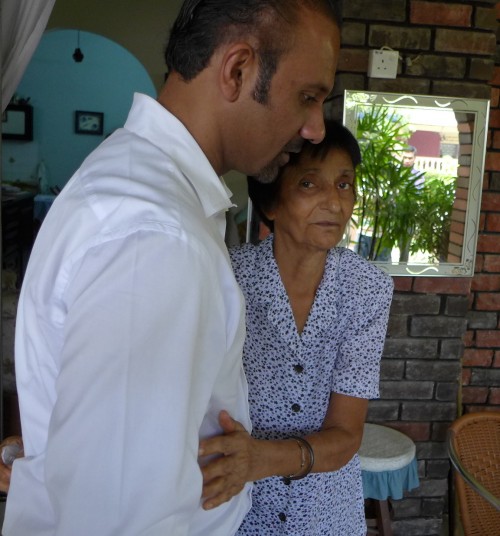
(282, 517)
(296, 408)
(298, 369)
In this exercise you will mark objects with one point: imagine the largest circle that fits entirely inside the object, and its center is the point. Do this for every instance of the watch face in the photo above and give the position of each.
(89, 122)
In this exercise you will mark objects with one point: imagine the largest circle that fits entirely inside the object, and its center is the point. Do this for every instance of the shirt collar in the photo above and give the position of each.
(150, 120)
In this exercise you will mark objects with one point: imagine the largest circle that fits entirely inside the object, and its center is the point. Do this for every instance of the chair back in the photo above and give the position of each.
(474, 447)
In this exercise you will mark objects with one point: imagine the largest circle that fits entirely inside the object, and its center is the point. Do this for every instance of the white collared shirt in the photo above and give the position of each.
(128, 344)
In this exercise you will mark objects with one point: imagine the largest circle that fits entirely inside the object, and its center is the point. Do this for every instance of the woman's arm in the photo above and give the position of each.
(243, 458)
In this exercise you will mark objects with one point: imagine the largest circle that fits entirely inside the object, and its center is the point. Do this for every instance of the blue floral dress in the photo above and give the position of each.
(291, 376)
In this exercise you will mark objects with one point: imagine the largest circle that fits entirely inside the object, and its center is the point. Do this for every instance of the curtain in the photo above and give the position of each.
(23, 23)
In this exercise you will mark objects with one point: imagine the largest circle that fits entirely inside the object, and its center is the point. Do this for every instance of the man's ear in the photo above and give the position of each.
(239, 67)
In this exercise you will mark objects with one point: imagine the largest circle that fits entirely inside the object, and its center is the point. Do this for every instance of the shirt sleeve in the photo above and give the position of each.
(357, 368)
(144, 340)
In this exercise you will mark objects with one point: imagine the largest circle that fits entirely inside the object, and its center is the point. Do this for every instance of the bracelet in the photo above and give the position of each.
(301, 473)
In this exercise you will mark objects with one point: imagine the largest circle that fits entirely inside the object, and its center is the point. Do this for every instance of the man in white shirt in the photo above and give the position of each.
(130, 324)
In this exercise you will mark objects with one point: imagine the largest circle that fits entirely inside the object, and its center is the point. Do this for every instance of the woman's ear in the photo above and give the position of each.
(239, 66)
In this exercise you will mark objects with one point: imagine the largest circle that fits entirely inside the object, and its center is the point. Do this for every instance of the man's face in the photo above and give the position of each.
(408, 158)
(294, 108)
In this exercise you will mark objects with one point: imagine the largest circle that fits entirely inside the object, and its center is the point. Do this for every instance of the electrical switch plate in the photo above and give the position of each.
(383, 63)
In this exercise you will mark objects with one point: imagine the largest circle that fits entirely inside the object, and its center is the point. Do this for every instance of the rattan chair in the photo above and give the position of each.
(474, 449)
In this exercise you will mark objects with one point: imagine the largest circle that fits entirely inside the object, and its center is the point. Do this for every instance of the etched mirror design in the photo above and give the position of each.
(420, 181)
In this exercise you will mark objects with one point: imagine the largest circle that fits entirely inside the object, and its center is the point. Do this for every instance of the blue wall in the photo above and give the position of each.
(57, 86)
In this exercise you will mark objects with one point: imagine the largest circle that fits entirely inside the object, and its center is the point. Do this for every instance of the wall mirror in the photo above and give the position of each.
(420, 181)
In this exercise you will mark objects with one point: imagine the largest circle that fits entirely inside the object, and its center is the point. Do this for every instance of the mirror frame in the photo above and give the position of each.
(480, 108)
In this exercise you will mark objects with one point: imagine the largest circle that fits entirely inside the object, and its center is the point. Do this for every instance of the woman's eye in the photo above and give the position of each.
(306, 184)
(345, 185)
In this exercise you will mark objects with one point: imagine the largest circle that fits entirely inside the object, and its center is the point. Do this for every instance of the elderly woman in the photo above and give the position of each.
(316, 325)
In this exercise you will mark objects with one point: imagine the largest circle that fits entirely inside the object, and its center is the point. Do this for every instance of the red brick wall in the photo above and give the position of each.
(481, 361)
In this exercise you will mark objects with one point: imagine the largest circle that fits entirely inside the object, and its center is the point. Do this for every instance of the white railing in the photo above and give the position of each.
(442, 166)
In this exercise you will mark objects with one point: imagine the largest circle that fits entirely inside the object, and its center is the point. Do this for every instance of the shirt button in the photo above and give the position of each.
(296, 408)
(298, 369)
(286, 481)
(282, 517)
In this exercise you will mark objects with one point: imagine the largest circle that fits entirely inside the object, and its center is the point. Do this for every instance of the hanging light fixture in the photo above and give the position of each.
(78, 54)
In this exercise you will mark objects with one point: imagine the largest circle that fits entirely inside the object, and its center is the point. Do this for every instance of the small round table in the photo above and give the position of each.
(388, 468)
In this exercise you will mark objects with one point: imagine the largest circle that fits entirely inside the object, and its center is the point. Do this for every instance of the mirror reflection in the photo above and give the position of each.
(419, 183)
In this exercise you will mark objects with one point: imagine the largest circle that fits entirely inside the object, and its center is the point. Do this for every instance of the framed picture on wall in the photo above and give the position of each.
(17, 122)
(89, 122)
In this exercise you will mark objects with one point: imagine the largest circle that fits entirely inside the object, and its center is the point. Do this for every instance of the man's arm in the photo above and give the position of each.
(143, 318)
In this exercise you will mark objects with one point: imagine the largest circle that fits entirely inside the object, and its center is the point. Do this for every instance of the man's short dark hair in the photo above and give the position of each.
(204, 25)
(265, 196)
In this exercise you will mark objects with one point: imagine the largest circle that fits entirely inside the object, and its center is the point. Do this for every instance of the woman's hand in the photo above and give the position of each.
(6, 461)
(236, 451)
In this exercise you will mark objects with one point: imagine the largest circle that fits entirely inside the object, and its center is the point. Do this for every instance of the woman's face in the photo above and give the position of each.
(315, 202)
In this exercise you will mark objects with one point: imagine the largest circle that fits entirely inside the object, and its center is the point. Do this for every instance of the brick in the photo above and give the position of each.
(439, 431)
(466, 42)
(472, 90)
(488, 338)
(451, 349)
(456, 305)
(486, 377)
(353, 33)
(418, 431)
(402, 284)
(415, 304)
(438, 468)
(492, 160)
(495, 92)
(411, 349)
(495, 180)
(441, 66)
(400, 390)
(434, 507)
(486, 282)
(400, 37)
(433, 370)
(433, 487)
(440, 14)
(392, 369)
(490, 201)
(494, 397)
(442, 285)
(488, 301)
(432, 450)
(469, 338)
(419, 86)
(485, 19)
(493, 223)
(488, 243)
(479, 264)
(474, 395)
(491, 263)
(353, 60)
(495, 81)
(474, 357)
(417, 527)
(381, 410)
(446, 391)
(406, 508)
(494, 119)
(397, 326)
(389, 10)
(432, 326)
(466, 376)
(481, 69)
